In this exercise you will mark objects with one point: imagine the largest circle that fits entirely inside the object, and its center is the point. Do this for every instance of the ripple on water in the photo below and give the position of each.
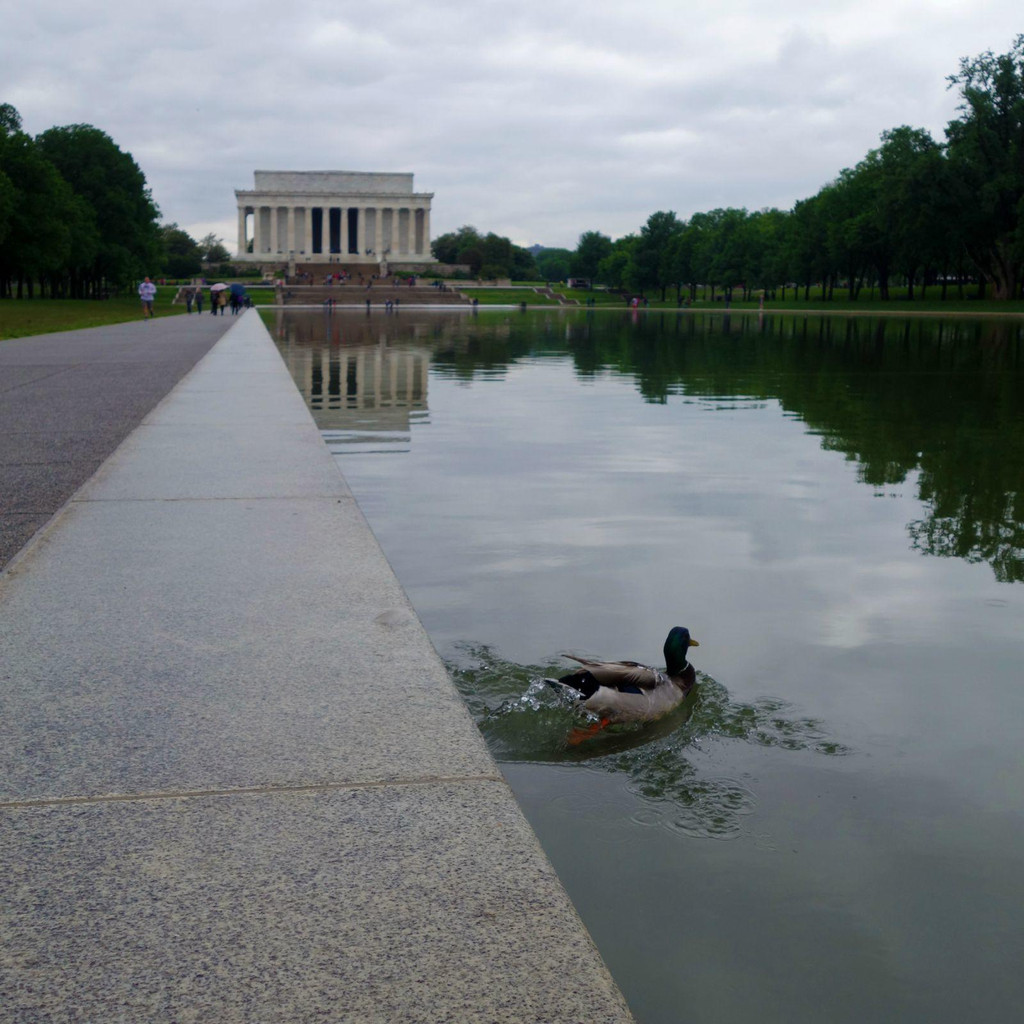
(525, 719)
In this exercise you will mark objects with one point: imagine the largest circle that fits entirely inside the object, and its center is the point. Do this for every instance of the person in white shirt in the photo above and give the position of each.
(147, 292)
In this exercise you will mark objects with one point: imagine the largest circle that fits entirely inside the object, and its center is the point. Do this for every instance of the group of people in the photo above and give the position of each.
(220, 299)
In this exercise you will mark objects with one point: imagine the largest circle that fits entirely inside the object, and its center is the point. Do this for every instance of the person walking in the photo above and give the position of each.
(190, 294)
(199, 300)
(147, 293)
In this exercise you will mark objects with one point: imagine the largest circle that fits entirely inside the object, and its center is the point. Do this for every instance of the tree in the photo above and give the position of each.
(591, 248)
(986, 156)
(212, 250)
(496, 253)
(650, 265)
(446, 248)
(39, 212)
(182, 255)
(910, 192)
(772, 227)
(8, 201)
(613, 269)
(678, 262)
(553, 264)
(808, 242)
(728, 266)
(489, 256)
(524, 267)
(114, 187)
(471, 256)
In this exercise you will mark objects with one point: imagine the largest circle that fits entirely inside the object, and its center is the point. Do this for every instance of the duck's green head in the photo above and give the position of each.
(677, 645)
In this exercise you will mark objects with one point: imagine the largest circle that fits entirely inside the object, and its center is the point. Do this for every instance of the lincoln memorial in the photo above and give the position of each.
(351, 217)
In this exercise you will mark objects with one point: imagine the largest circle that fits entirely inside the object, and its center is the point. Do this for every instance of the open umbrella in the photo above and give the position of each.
(217, 287)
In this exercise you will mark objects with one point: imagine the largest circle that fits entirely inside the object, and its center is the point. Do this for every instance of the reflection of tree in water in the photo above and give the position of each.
(981, 524)
(937, 398)
(525, 719)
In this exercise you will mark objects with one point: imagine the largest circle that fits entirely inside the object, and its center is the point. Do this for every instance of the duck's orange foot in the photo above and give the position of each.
(577, 736)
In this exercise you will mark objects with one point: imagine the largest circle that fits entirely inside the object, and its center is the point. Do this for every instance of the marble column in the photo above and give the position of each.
(378, 233)
(241, 231)
(307, 240)
(257, 230)
(291, 229)
(273, 230)
(360, 229)
(426, 231)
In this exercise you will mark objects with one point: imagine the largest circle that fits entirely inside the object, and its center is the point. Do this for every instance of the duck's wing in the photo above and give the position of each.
(628, 676)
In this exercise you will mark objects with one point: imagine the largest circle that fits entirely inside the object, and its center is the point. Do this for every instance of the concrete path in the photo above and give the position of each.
(236, 784)
(68, 400)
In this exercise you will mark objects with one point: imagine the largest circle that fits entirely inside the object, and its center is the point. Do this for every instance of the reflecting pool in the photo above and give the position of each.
(832, 828)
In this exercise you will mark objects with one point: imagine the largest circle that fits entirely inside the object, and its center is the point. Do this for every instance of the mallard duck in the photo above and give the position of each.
(625, 691)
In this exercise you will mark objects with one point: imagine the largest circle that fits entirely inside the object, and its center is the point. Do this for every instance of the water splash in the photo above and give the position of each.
(523, 718)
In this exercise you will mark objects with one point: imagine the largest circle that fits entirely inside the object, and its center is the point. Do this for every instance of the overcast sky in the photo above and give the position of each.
(537, 120)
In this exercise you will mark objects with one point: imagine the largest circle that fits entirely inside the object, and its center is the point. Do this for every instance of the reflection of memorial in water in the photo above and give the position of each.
(364, 391)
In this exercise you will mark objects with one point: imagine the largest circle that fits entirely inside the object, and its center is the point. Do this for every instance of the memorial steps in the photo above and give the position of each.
(355, 293)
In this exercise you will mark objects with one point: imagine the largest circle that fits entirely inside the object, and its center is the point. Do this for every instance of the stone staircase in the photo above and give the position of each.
(378, 294)
(559, 298)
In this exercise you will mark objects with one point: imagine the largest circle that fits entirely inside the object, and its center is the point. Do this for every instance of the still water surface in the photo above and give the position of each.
(833, 828)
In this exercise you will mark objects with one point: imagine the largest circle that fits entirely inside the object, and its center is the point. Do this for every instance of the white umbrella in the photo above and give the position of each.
(217, 287)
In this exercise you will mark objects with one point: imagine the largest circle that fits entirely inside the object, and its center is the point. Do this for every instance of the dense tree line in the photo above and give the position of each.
(912, 212)
(183, 256)
(488, 256)
(76, 217)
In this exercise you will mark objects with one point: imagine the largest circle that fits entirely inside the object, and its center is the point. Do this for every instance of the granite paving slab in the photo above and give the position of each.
(217, 460)
(424, 903)
(166, 645)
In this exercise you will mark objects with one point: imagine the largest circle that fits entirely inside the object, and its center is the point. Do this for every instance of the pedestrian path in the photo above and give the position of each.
(68, 400)
(236, 783)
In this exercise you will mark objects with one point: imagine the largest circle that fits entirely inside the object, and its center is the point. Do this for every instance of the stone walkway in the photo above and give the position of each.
(236, 783)
(68, 400)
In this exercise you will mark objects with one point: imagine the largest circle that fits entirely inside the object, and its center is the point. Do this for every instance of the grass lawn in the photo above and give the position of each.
(261, 296)
(508, 297)
(601, 298)
(20, 318)
(924, 302)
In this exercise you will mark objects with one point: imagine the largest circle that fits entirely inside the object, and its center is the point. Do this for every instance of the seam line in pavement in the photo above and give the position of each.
(338, 498)
(328, 787)
(36, 380)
